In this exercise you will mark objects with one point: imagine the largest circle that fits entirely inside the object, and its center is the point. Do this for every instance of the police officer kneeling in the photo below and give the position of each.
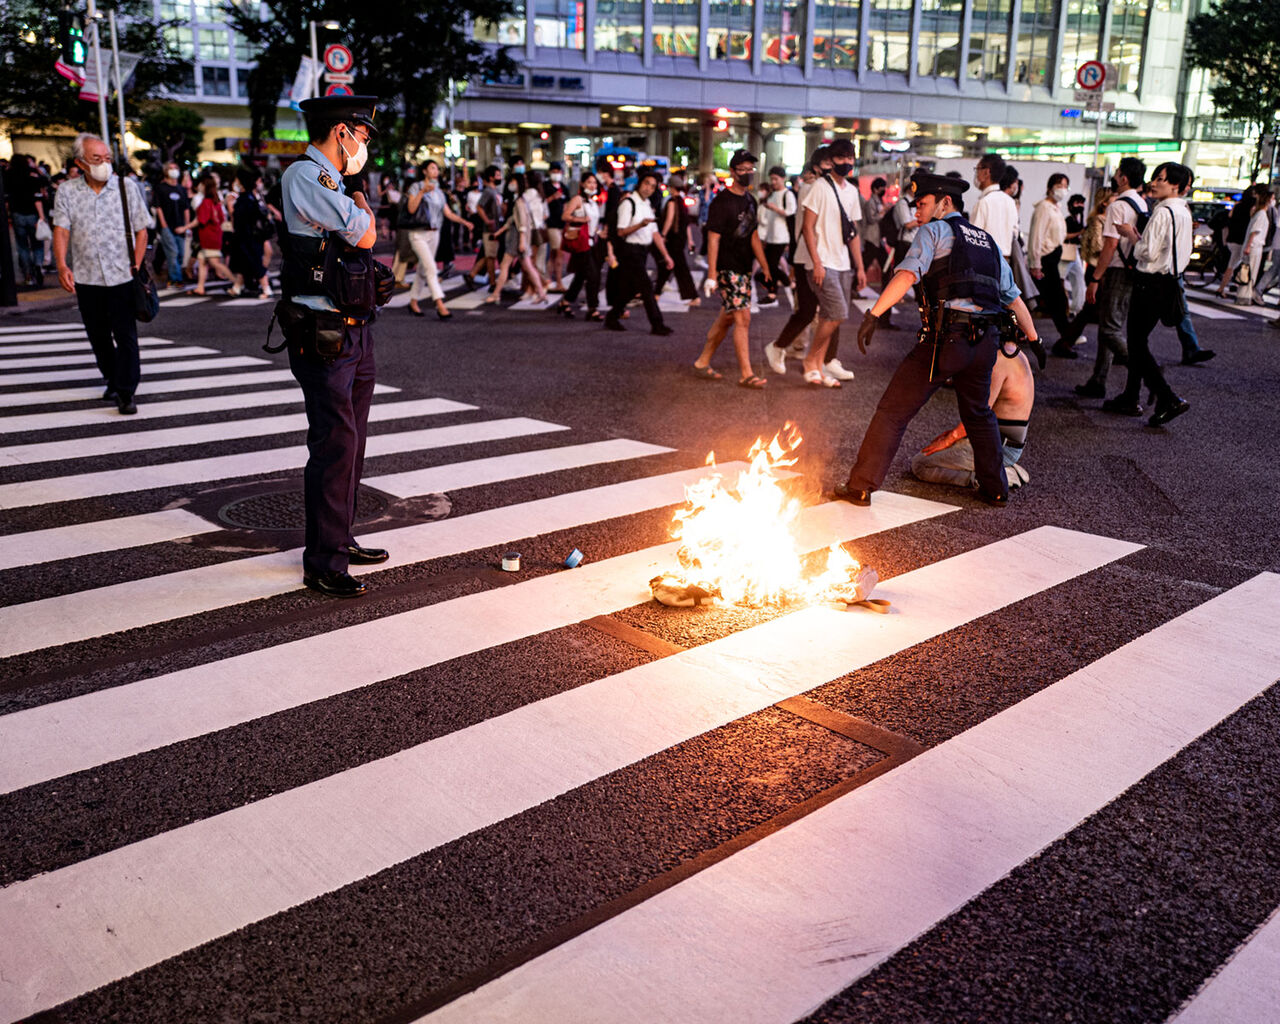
(332, 287)
(966, 288)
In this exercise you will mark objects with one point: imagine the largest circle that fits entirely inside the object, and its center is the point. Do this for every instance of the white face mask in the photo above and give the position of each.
(354, 161)
(1060, 194)
(100, 172)
(173, 174)
(557, 177)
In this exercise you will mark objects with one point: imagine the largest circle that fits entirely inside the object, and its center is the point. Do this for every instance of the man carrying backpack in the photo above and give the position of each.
(1110, 284)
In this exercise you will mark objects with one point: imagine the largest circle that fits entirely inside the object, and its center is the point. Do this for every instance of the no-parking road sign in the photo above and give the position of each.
(1090, 75)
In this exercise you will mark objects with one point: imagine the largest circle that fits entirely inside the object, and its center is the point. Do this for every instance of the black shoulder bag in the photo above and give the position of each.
(146, 298)
(847, 230)
(1175, 309)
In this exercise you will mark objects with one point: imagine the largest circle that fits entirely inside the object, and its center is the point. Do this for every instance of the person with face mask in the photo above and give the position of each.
(89, 220)
(1071, 263)
(964, 285)
(173, 219)
(582, 215)
(554, 197)
(1044, 250)
(634, 232)
(328, 307)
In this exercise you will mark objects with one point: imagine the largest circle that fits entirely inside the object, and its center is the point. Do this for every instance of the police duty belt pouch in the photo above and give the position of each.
(314, 333)
(146, 297)
(349, 278)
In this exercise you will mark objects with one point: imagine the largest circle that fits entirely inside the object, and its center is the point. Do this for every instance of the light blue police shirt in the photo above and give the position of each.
(314, 203)
(935, 240)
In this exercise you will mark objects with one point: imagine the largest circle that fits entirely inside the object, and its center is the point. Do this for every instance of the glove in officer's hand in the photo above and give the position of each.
(866, 329)
(1036, 349)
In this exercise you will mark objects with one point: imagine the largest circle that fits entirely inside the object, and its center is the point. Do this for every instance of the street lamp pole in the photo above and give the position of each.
(315, 63)
(93, 17)
(115, 63)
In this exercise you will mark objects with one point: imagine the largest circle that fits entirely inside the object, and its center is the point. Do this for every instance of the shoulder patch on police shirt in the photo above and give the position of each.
(327, 181)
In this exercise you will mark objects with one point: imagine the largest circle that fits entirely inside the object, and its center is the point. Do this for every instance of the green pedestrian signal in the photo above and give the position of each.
(74, 51)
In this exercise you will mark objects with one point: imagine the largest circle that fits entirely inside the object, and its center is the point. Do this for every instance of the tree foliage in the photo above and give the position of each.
(175, 131)
(405, 52)
(1237, 42)
(33, 96)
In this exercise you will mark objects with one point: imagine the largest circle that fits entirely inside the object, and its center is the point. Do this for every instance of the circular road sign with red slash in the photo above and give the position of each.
(338, 58)
(339, 90)
(1092, 74)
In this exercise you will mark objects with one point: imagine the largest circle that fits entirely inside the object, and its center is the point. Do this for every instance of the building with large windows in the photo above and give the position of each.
(945, 78)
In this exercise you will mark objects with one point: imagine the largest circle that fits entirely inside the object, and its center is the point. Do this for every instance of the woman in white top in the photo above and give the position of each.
(519, 232)
(1255, 243)
(775, 235)
(1044, 250)
(537, 204)
(582, 218)
(428, 209)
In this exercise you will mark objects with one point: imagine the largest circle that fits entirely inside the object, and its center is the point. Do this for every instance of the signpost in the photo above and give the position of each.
(337, 70)
(1091, 77)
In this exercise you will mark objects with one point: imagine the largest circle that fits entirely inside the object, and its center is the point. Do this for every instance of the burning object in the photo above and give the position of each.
(739, 546)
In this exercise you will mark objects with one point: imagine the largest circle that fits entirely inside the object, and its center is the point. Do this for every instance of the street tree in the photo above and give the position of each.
(175, 131)
(1236, 41)
(34, 97)
(405, 52)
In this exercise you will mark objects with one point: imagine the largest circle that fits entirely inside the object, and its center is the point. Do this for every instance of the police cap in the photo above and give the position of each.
(925, 184)
(322, 110)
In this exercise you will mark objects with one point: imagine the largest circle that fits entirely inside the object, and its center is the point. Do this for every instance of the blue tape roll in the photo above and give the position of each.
(574, 560)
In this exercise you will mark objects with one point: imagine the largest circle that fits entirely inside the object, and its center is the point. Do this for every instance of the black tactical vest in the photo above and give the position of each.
(970, 271)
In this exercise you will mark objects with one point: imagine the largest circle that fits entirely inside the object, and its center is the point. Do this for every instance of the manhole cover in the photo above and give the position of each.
(284, 510)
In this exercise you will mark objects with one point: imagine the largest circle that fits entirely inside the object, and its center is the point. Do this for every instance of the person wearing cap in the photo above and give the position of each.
(733, 245)
(965, 284)
(330, 349)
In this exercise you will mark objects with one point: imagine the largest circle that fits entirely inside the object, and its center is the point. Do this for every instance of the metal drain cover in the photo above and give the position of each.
(285, 510)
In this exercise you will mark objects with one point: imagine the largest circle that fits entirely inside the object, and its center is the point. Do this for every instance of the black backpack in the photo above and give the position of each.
(1143, 216)
(889, 226)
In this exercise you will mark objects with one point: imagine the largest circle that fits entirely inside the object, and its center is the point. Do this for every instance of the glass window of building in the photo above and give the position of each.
(174, 10)
(989, 40)
(559, 23)
(215, 81)
(187, 87)
(889, 41)
(1036, 28)
(1084, 29)
(620, 26)
(1128, 35)
(729, 33)
(675, 28)
(181, 39)
(214, 44)
(835, 33)
(208, 11)
(244, 50)
(508, 31)
(939, 52)
(242, 83)
(782, 41)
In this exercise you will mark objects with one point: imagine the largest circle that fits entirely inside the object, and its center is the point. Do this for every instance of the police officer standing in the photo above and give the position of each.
(966, 286)
(328, 306)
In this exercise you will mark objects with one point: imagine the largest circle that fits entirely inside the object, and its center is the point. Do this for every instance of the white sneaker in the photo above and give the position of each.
(836, 370)
(265, 294)
(776, 358)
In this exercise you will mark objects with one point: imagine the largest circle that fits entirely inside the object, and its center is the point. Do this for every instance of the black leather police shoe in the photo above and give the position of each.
(357, 555)
(997, 500)
(125, 404)
(335, 584)
(662, 331)
(1167, 411)
(1200, 355)
(853, 495)
(1121, 407)
(109, 395)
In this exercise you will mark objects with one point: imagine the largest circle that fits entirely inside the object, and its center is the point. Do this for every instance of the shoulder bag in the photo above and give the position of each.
(146, 298)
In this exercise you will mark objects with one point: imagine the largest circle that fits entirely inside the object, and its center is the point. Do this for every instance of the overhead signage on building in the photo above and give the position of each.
(267, 147)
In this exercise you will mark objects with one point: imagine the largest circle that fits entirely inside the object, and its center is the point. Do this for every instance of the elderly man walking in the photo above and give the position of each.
(89, 216)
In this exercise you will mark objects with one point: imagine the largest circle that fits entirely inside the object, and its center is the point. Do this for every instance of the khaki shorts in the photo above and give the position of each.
(210, 254)
(833, 296)
(490, 247)
(555, 236)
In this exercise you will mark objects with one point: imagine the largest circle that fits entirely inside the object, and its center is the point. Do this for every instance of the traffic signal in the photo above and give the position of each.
(71, 38)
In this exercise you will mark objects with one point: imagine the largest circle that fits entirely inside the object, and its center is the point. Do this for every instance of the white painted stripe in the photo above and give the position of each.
(36, 546)
(1246, 988)
(186, 300)
(248, 302)
(129, 605)
(106, 413)
(31, 362)
(210, 433)
(148, 387)
(273, 460)
(6, 344)
(1211, 312)
(469, 300)
(793, 920)
(49, 347)
(74, 929)
(510, 467)
(41, 328)
(57, 739)
(91, 372)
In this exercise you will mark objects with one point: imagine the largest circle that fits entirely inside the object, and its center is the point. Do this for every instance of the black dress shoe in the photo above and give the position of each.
(357, 555)
(1121, 360)
(1091, 389)
(612, 325)
(996, 500)
(1164, 413)
(335, 584)
(125, 404)
(843, 492)
(1122, 407)
(1064, 351)
(110, 395)
(1200, 355)
(662, 331)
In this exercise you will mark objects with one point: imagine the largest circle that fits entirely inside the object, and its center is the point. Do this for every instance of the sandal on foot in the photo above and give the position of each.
(706, 373)
(818, 379)
(753, 382)
(595, 315)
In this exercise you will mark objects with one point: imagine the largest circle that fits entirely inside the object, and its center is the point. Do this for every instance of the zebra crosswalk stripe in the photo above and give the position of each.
(56, 739)
(31, 362)
(37, 546)
(50, 347)
(208, 433)
(1248, 986)
(892, 858)
(8, 332)
(20, 400)
(91, 373)
(79, 927)
(272, 460)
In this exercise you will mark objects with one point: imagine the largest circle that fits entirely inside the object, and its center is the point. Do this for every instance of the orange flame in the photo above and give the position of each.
(739, 544)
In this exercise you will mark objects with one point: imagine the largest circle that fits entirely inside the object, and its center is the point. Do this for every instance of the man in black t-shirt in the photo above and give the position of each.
(173, 219)
(733, 245)
(28, 201)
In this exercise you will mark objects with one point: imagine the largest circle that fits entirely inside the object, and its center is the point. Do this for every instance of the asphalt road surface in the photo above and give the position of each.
(1042, 788)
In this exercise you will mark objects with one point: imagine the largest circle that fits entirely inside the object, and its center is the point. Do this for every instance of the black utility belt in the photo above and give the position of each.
(315, 333)
(954, 317)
